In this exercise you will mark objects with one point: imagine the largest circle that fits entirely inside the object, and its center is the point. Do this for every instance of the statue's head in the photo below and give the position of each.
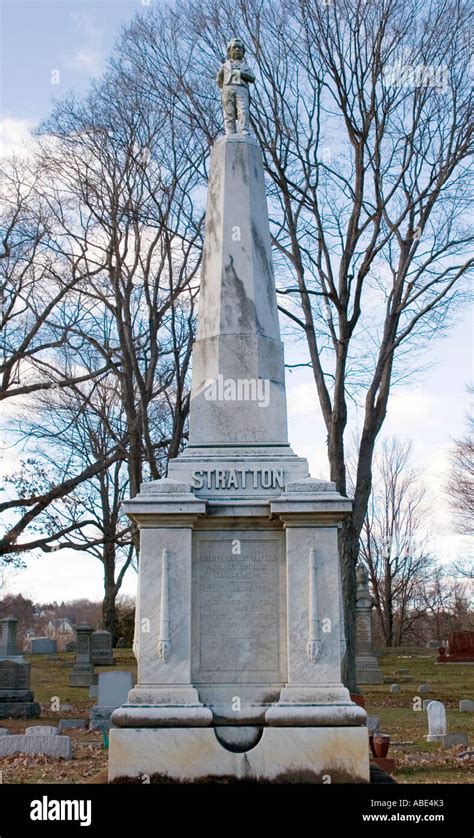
(235, 49)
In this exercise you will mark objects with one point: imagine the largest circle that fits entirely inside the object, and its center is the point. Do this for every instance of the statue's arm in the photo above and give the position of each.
(247, 75)
(220, 77)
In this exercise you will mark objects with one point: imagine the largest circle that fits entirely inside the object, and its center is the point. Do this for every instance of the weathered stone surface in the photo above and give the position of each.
(41, 730)
(14, 676)
(113, 691)
(395, 688)
(19, 710)
(72, 724)
(466, 706)
(43, 646)
(53, 746)
(83, 673)
(4, 731)
(94, 690)
(238, 336)
(449, 740)
(239, 572)
(83, 676)
(423, 689)
(373, 724)
(437, 727)
(8, 645)
(101, 648)
(282, 755)
(113, 688)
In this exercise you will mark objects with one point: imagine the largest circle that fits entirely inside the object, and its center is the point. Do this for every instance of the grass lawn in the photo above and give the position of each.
(417, 761)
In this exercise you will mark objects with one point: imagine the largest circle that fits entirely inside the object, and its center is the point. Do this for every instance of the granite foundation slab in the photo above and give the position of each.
(41, 730)
(100, 718)
(281, 755)
(72, 724)
(52, 746)
(19, 710)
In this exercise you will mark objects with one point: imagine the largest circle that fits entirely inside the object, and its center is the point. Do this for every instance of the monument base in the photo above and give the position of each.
(281, 755)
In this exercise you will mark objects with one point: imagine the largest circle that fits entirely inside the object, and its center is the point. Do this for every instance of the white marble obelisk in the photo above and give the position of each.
(241, 626)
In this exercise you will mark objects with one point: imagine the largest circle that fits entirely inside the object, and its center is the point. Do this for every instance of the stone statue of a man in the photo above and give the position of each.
(234, 78)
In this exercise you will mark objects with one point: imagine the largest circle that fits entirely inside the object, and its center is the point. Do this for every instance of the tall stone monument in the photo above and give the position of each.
(367, 667)
(239, 614)
(8, 643)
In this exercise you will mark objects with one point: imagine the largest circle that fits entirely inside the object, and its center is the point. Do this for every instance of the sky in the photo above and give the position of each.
(75, 38)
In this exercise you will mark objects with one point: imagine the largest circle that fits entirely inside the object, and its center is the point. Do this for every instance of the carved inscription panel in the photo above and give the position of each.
(239, 607)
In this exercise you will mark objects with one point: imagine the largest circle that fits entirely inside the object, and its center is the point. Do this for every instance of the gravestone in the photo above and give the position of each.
(460, 648)
(16, 698)
(59, 747)
(423, 689)
(437, 727)
(43, 646)
(367, 668)
(8, 644)
(72, 724)
(239, 620)
(121, 643)
(83, 672)
(71, 646)
(433, 644)
(395, 688)
(101, 648)
(41, 730)
(466, 706)
(113, 690)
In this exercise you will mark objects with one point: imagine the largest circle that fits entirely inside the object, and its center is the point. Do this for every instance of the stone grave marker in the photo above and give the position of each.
(113, 690)
(101, 648)
(16, 698)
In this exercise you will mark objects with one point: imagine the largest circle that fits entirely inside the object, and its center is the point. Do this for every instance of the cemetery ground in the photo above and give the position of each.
(417, 761)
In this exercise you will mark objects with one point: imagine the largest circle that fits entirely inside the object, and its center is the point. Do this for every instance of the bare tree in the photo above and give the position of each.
(460, 486)
(363, 111)
(393, 545)
(116, 184)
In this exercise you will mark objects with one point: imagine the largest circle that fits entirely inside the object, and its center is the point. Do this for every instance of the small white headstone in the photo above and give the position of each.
(436, 721)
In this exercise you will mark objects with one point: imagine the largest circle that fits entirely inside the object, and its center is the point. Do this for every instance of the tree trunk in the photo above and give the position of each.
(349, 554)
(109, 610)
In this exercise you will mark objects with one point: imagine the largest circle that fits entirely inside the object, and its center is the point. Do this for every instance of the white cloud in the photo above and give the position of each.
(15, 137)
(89, 56)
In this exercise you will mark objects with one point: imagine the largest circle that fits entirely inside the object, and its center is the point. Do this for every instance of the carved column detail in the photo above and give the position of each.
(313, 647)
(164, 645)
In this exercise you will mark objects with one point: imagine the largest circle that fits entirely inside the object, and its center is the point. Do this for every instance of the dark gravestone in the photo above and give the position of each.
(16, 698)
(8, 647)
(83, 673)
(460, 648)
(101, 648)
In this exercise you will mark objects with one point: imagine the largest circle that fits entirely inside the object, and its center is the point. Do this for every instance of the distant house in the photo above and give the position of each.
(61, 630)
